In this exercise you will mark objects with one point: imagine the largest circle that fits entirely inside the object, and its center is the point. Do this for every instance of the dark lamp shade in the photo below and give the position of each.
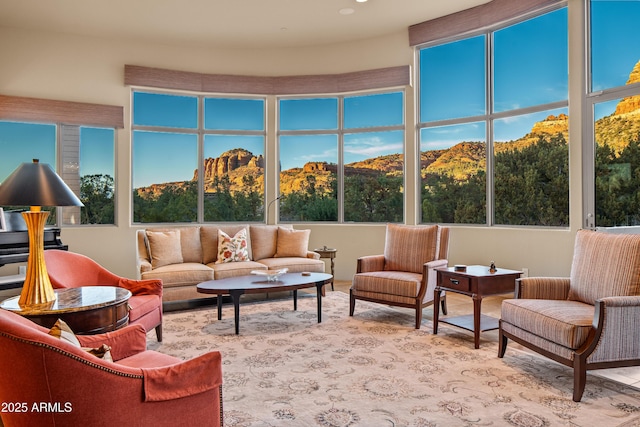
(36, 184)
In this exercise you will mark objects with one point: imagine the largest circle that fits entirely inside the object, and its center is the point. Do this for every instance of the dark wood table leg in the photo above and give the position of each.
(219, 302)
(235, 296)
(319, 287)
(436, 309)
(477, 300)
(295, 300)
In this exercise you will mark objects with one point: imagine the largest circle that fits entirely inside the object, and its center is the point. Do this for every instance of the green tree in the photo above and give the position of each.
(97, 195)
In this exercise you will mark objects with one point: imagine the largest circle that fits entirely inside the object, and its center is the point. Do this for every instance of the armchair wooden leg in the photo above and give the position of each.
(159, 332)
(418, 315)
(579, 378)
(502, 344)
(352, 302)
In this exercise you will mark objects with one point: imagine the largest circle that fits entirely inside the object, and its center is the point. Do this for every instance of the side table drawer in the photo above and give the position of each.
(453, 281)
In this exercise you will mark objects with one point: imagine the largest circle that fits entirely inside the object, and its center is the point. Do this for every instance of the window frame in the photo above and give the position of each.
(489, 117)
(590, 99)
(200, 133)
(340, 132)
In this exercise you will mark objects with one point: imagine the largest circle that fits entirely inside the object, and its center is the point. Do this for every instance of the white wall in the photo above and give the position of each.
(71, 68)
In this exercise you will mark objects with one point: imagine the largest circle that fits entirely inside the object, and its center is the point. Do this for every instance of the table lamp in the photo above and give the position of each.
(36, 184)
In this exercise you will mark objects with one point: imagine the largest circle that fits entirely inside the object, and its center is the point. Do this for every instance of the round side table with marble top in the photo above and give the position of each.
(86, 309)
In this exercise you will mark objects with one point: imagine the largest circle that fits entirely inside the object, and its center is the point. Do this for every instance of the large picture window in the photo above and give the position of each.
(613, 101)
(87, 157)
(342, 151)
(493, 125)
(192, 148)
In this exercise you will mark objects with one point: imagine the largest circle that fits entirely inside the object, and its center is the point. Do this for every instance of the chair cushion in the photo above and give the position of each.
(407, 248)
(604, 265)
(141, 305)
(399, 283)
(563, 322)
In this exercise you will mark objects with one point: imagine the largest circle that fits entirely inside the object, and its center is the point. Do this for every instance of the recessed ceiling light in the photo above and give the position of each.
(361, 1)
(346, 11)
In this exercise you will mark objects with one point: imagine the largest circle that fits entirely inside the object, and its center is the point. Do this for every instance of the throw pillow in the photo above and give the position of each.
(232, 249)
(292, 243)
(164, 247)
(407, 248)
(63, 332)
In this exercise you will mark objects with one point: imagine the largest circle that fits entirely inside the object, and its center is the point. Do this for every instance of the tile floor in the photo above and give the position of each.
(460, 304)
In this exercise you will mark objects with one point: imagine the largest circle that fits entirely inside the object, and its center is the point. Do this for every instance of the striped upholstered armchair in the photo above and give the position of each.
(588, 320)
(405, 274)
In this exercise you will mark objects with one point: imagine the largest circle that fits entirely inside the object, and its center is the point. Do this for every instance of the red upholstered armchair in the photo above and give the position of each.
(71, 270)
(47, 381)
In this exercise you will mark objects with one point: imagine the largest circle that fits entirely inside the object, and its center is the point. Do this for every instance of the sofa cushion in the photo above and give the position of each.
(164, 247)
(190, 244)
(604, 265)
(292, 243)
(234, 269)
(209, 240)
(408, 248)
(263, 241)
(294, 264)
(232, 249)
(174, 275)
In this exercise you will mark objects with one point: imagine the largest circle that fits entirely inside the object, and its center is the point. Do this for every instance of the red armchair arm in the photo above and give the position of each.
(142, 287)
(124, 342)
(187, 378)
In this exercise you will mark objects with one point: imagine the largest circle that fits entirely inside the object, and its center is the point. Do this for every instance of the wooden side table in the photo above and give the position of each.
(475, 281)
(330, 253)
(87, 309)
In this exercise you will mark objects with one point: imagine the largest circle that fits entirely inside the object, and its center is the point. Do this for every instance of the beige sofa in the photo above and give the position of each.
(185, 256)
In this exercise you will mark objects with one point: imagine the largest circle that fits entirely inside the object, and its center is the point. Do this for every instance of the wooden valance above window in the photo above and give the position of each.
(135, 75)
(66, 112)
(472, 19)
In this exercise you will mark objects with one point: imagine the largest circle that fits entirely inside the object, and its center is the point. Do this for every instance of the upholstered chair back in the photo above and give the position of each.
(604, 265)
(408, 248)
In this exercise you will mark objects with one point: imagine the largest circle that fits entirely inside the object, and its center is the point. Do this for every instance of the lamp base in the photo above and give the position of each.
(37, 288)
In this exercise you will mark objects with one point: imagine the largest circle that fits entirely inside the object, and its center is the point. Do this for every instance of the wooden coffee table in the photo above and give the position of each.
(87, 309)
(238, 286)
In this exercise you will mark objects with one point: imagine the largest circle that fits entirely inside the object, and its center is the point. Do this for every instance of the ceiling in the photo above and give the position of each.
(226, 23)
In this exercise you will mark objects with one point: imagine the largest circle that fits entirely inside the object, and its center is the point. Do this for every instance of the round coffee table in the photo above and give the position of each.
(87, 309)
(237, 286)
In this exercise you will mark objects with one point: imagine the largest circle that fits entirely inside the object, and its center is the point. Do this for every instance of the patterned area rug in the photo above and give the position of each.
(375, 369)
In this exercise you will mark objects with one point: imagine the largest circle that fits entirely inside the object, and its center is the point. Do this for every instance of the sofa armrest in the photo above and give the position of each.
(370, 263)
(188, 378)
(144, 265)
(124, 342)
(554, 288)
(313, 255)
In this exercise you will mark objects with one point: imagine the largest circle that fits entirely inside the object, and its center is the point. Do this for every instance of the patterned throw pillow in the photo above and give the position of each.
(62, 331)
(232, 249)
